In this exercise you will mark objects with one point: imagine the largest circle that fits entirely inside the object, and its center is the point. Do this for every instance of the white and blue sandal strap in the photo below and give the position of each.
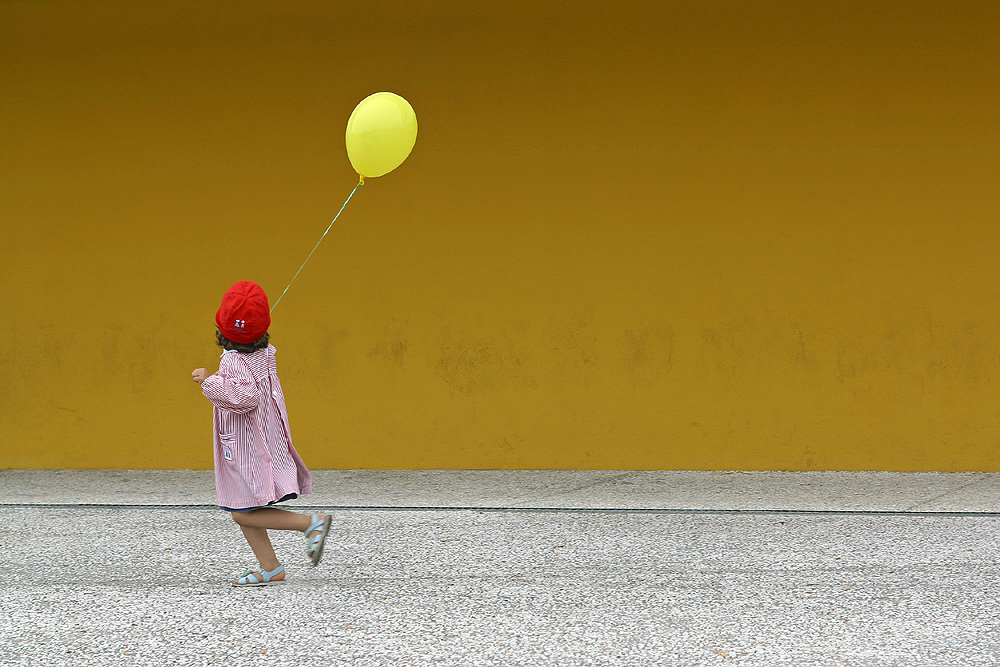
(317, 524)
(259, 577)
(315, 543)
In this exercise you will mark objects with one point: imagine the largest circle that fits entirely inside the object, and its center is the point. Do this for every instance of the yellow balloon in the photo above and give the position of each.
(380, 134)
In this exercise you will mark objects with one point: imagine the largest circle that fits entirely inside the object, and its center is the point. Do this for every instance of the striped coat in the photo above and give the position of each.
(255, 462)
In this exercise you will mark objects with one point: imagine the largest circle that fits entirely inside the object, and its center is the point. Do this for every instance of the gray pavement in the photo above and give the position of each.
(510, 568)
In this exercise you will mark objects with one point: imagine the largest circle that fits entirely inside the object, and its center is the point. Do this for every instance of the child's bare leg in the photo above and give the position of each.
(261, 544)
(271, 518)
(255, 525)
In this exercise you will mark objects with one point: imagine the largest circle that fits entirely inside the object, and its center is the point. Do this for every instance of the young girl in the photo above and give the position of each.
(256, 465)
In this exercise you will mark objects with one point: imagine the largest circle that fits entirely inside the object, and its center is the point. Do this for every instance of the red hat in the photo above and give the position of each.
(244, 315)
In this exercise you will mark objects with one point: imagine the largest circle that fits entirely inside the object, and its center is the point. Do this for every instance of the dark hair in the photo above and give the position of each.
(227, 344)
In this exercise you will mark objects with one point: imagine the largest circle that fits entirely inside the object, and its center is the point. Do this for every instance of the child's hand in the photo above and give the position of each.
(199, 375)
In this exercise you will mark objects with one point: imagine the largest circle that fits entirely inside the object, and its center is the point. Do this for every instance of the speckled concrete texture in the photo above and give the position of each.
(122, 584)
(722, 490)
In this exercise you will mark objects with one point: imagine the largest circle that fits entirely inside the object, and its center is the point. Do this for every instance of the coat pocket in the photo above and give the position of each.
(228, 443)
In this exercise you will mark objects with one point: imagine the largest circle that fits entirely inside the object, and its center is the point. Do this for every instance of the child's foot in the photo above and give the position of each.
(261, 577)
(316, 537)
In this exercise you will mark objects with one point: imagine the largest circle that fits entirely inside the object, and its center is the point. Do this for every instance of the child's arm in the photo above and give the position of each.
(232, 388)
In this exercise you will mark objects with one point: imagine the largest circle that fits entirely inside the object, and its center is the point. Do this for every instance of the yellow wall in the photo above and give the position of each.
(696, 235)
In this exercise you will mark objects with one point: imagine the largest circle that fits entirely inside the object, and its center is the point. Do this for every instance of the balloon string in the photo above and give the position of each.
(359, 185)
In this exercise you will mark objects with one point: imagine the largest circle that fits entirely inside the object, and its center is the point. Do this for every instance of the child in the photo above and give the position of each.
(256, 465)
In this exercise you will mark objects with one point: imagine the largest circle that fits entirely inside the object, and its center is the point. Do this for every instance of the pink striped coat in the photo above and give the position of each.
(255, 462)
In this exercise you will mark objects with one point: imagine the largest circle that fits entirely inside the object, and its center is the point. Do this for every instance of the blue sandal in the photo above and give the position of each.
(260, 577)
(315, 543)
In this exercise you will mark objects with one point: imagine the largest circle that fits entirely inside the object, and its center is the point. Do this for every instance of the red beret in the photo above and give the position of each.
(244, 315)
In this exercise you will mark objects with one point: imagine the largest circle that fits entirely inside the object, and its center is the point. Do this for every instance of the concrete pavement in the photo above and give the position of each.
(510, 568)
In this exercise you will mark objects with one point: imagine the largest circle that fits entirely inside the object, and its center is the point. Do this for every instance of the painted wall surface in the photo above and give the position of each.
(679, 235)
